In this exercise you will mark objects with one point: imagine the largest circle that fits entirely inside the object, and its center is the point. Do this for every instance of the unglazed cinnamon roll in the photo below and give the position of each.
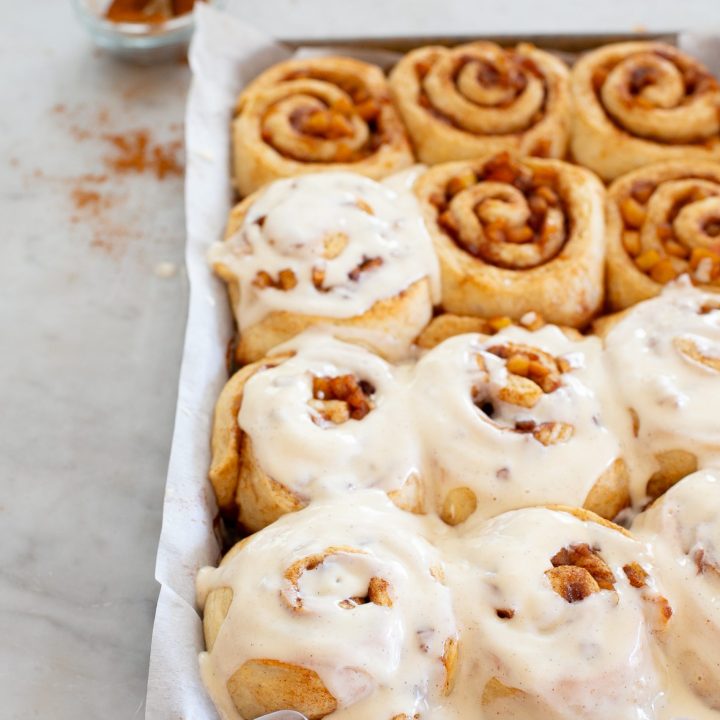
(683, 529)
(663, 220)
(516, 420)
(517, 236)
(334, 248)
(664, 354)
(560, 618)
(637, 103)
(476, 99)
(348, 613)
(447, 325)
(321, 418)
(306, 115)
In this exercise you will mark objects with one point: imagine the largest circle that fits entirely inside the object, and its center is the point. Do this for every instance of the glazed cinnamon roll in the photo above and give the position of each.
(314, 114)
(477, 99)
(334, 248)
(514, 420)
(322, 418)
(683, 529)
(561, 617)
(637, 103)
(664, 354)
(517, 236)
(662, 221)
(349, 617)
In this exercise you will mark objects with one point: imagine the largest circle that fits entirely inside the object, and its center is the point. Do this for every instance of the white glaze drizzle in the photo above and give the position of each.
(507, 469)
(287, 226)
(683, 530)
(314, 458)
(376, 661)
(593, 659)
(675, 397)
(597, 656)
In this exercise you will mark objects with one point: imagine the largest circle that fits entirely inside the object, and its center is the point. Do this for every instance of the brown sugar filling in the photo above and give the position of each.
(493, 243)
(341, 398)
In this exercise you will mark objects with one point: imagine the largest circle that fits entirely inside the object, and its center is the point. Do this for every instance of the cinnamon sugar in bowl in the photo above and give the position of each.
(142, 31)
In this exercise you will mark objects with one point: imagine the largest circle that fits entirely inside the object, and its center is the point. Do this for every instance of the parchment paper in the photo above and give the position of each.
(225, 55)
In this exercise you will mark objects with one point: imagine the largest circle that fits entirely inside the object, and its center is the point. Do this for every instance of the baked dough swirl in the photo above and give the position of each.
(515, 236)
(665, 354)
(321, 418)
(319, 113)
(637, 103)
(561, 617)
(330, 248)
(517, 419)
(349, 618)
(476, 99)
(663, 220)
(683, 529)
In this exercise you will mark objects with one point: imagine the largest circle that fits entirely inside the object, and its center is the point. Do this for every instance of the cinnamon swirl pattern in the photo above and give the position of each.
(312, 422)
(320, 113)
(334, 248)
(516, 420)
(517, 236)
(477, 99)
(350, 618)
(637, 103)
(561, 616)
(663, 221)
(683, 529)
(667, 353)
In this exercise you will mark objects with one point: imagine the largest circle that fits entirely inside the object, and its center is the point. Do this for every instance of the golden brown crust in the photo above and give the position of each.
(314, 114)
(479, 212)
(674, 465)
(215, 611)
(475, 99)
(662, 221)
(260, 499)
(263, 686)
(638, 103)
(611, 492)
(226, 438)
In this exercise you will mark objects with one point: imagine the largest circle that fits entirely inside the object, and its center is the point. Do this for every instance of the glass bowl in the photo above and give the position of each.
(144, 43)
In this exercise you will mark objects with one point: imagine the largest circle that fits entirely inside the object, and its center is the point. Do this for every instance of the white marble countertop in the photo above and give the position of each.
(92, 315)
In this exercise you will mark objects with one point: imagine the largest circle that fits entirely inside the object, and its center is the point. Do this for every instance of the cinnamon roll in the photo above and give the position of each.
(334, 248)
(349, 614)
(314, 114)
(637, 103)
(517, 236)
(665, 355)
(683, 529)
(447, 325)
(561, 618)
(515, 420)
(662, 221)
(476, 99)
(322, 418)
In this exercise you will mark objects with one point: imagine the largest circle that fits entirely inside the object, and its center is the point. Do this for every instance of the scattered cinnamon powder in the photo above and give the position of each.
(82, 198)
(97, 198)
(135, 152)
